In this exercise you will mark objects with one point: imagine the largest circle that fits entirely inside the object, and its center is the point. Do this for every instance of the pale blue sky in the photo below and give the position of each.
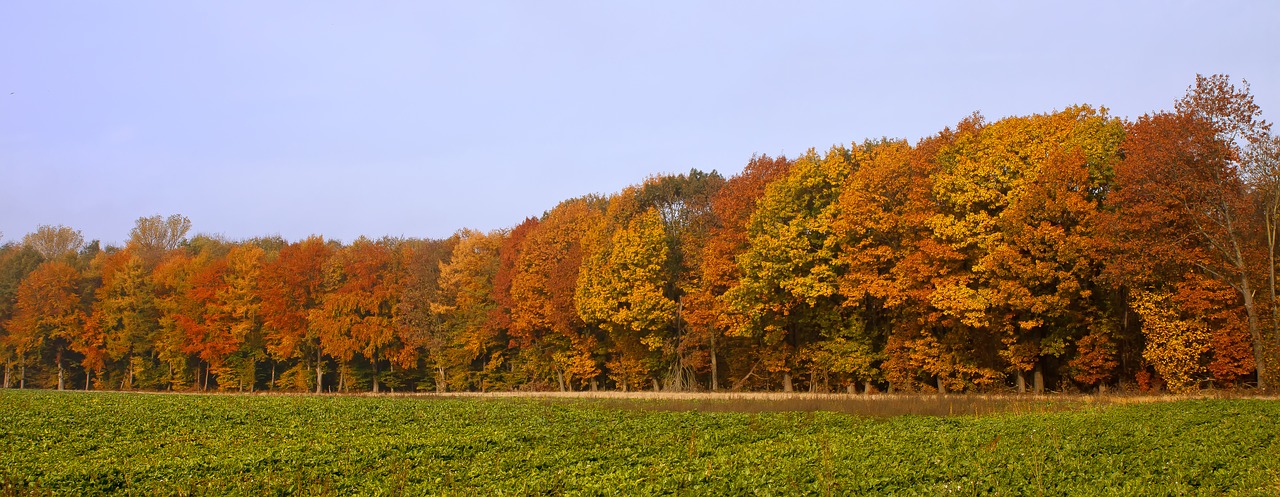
(419, 118)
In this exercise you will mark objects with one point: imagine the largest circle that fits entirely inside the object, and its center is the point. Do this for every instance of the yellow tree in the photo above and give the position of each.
(788, 291)
(238, 303)
(620, 289)
(1175, 343)
(126, 314)
(466, 301)
(1018, 200)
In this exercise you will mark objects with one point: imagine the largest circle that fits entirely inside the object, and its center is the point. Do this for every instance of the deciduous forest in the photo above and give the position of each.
(1065, 251)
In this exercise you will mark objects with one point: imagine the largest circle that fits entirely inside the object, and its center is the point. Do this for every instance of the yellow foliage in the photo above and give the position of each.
(1174, 345)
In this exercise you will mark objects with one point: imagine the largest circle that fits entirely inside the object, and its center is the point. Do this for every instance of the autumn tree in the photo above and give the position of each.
(620, 289)
(788, 288)
(48, 310)
(16, 262)
(54, 242)
(1184, 191)
(684, 203)
(466, 301)
(152, 236)
(236, 302)
(882, 222)
(184, 285)
(355, 312)
(417, 325)
(126, 314)
(545, 326)
(717, 270)
(498, 369)
(290, 289)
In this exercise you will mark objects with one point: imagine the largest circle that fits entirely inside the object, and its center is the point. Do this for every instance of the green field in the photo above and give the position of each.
(94, 443)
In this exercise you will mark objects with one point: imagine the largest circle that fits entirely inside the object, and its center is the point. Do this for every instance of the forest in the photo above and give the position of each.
(1070, 251)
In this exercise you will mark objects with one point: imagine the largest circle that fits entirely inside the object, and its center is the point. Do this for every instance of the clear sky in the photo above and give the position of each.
(418, 118)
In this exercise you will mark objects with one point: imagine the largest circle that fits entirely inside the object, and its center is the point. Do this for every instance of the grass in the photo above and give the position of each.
(67, 443)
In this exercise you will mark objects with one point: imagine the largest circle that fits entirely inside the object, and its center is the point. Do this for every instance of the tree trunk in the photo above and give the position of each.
(22, 376)
(1022, 382)
(1259, 349)
(272, 384)
(866, 388)
(319, 371)
(786, 381)
(375, 374)
(560, 379)
(206, 378)
(86, 379)
(656, 386)
(7, 368)
(60, 380)
(441, 387)
(942, 386)
(851, 388)
(1038, 378)
(1271, 274)
(594, 385)
(715, 371)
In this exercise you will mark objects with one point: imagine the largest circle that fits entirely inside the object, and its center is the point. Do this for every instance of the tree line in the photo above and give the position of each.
(1071, 250)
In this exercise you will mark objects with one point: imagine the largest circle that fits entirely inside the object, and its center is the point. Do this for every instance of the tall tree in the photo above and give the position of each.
(731, 208)
(48, 310)
(126, 313)
(418, 326)
(621, 290)
(545, 324)
(16, 262)
(152, 236)
(467, 300)
(238, 304)
(53, 242)
(684, 203)
(1184, 188)
(788, 289)
(290, 290)
(355, 315)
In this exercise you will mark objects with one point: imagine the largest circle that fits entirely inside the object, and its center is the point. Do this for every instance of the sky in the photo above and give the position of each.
(417, 119)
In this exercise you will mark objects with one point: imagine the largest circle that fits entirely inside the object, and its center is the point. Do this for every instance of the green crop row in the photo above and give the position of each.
(100, 443)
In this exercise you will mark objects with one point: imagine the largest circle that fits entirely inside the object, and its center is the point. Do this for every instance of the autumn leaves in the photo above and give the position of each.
(1068, 250)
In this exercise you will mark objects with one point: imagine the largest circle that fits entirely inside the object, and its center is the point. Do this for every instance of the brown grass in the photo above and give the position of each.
(878, 405)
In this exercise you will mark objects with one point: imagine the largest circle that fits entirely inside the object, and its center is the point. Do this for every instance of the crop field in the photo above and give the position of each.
(66, 443)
